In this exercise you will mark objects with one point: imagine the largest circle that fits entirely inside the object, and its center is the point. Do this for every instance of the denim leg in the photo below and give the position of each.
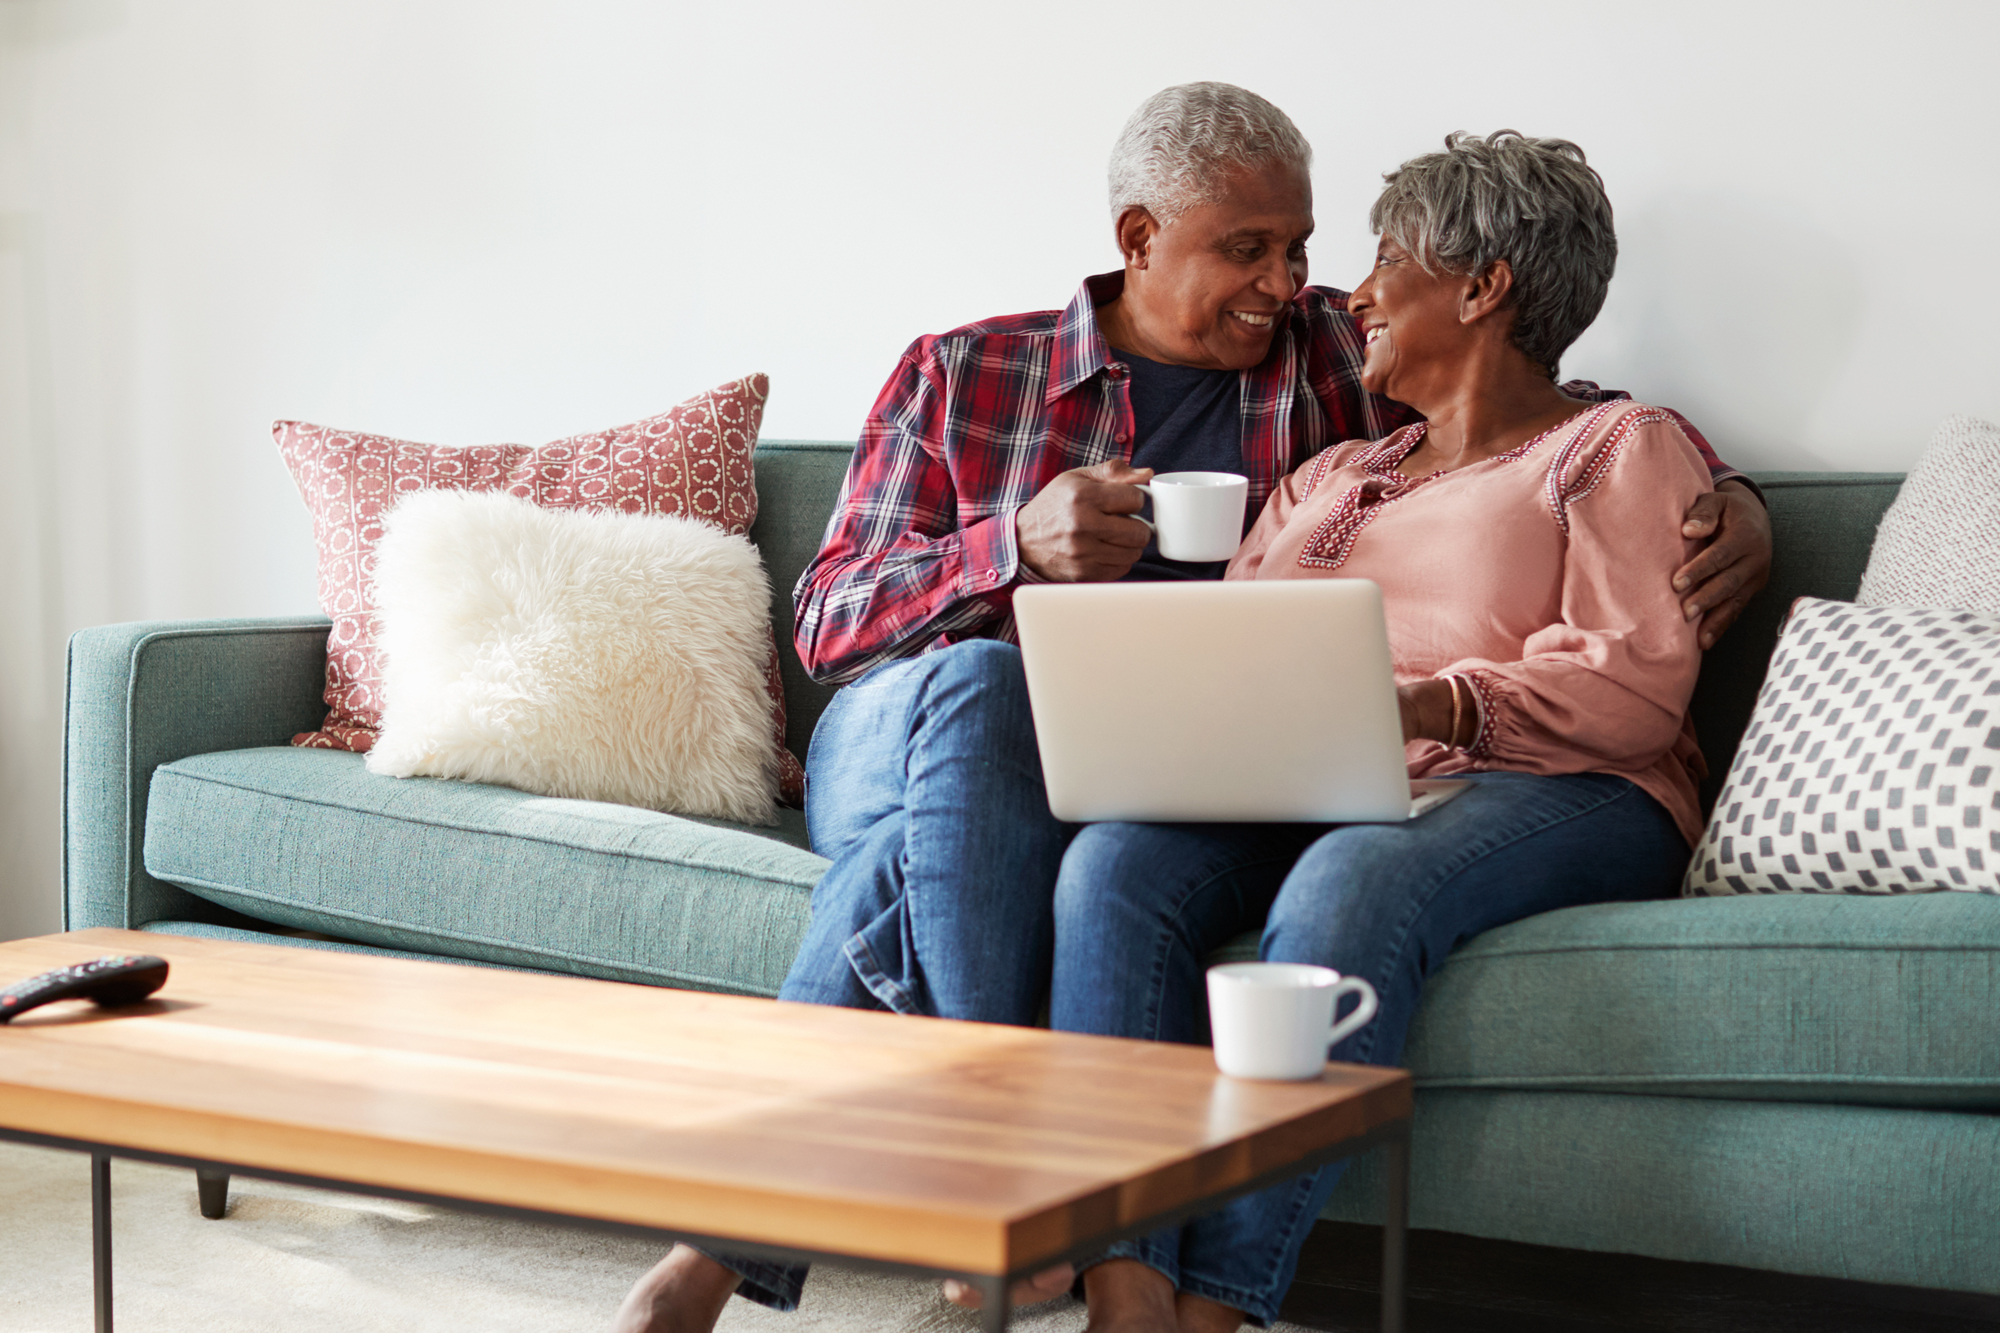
(1138, 910)
(1389, 902)
(776, 1286)
(855, 780)
(1139, 907)
(869, 890)
(924, 788)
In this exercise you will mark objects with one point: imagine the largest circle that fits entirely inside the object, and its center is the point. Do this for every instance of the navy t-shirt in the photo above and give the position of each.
(1185, 419)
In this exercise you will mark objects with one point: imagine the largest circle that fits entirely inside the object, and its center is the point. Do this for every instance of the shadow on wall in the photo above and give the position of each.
(31, 647)
(1738, 312)
(27, 22)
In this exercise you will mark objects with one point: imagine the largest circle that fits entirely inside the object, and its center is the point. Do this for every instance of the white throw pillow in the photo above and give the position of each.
(1869, 765)
(1939, 544)
(586, 654)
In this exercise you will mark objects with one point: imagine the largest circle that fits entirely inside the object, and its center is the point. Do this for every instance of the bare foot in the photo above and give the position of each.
(1043, 1286)
(1198, 1314)
(1125, 1296)
(684, 1293)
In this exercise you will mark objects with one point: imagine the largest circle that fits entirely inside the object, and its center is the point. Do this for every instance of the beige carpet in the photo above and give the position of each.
(307, 1261)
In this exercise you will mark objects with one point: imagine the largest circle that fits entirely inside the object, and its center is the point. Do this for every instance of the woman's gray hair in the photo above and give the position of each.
(1535, 203)
(1182, 143)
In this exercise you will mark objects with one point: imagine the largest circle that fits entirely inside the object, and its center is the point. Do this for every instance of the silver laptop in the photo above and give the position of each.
(1218, 701)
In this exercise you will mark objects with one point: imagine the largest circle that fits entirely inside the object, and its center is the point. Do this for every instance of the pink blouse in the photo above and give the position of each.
(1541, 575)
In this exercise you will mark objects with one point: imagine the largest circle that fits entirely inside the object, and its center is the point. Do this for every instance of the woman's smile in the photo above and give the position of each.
(1408, 318)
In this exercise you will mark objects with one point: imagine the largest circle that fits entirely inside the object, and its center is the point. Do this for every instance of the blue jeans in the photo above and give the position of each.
(924, 788)
(1140, 906)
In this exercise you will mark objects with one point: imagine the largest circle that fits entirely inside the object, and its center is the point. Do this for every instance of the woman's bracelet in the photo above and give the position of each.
(1457, 711)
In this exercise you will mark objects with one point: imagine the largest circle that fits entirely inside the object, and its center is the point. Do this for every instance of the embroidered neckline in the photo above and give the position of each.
(1333, 539)
(1384, 461)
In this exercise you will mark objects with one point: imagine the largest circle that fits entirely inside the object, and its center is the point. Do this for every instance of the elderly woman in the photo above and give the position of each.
(1523, 541)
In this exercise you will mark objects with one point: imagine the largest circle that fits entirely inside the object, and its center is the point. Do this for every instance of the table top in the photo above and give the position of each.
(970, 1147)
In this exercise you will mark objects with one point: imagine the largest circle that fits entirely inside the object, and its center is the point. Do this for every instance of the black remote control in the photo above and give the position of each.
(122, 978)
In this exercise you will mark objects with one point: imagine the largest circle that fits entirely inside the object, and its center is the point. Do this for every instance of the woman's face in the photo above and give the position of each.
(1410, 320)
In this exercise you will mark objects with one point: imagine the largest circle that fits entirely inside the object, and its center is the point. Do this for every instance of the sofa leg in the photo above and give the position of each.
(213, 1187)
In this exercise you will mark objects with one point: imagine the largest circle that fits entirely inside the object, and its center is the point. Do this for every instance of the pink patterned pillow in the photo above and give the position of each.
(693, 460)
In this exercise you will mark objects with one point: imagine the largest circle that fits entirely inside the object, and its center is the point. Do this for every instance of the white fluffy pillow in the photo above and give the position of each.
(1939, 544)
(586, 654)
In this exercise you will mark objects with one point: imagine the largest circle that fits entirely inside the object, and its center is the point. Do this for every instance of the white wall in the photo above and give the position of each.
(467, 220)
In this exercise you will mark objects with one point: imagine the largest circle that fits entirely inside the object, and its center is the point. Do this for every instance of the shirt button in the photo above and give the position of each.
(1121, 438)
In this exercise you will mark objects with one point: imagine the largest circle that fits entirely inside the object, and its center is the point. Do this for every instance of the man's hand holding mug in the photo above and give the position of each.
(1085, 526)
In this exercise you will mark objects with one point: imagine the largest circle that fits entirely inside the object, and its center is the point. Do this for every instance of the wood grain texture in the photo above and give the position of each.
(963, 1146)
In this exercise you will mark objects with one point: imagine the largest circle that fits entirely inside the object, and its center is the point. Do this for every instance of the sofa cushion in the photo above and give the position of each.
(1880, 1001)
(207, 930)
(797, 483)
(1860, 1193)
(1821, 524)
(310, 839)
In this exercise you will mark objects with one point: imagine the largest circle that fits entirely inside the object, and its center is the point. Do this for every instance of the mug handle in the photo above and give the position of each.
(1364, 1011)
(1142, 486)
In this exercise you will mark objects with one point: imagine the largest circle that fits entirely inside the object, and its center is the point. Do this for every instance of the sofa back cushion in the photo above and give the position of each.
(1823, 524)
(797, 483)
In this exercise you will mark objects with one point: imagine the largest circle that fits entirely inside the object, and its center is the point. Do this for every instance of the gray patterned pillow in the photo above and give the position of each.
(1869, 765)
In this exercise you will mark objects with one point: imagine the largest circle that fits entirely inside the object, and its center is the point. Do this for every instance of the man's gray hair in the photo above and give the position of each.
(1535, 203)
(1182, 144)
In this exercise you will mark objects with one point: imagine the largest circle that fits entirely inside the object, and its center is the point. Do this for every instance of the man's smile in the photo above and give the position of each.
(1257, 321)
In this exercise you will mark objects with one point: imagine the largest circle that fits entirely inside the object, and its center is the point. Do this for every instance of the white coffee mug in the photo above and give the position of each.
(1275, 1020)
(1197, 515)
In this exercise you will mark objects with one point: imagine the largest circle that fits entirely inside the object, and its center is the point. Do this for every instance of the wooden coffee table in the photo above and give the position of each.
(780, 1130)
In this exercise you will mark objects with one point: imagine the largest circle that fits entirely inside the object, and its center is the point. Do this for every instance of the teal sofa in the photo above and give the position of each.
(1794, 1083)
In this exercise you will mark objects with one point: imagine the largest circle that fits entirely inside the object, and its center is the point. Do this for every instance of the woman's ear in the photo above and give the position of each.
(1135, 230)
(1486, 291)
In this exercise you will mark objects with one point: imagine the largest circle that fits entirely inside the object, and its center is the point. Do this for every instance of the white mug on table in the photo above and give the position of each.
(1275, 1020)
(1197, 515)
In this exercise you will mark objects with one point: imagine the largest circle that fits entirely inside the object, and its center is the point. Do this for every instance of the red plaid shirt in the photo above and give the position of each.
(920, 551)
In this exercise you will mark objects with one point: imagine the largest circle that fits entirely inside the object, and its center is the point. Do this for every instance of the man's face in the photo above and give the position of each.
(1218, 278)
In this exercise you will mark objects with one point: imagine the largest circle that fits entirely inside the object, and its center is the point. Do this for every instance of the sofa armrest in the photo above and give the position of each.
(144, 694)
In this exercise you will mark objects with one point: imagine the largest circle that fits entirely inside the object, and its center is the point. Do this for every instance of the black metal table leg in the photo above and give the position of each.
(993, 1310)
(212, 1189)
(100, 1236)
(1395, 1231)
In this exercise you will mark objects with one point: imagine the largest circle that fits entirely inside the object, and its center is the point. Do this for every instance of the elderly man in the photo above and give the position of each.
(1005, 453)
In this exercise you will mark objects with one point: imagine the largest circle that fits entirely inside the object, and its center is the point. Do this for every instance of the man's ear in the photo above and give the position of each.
(1135, 230)
(1486, 291)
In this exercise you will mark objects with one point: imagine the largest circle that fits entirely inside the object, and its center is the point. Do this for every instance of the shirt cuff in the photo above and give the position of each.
(1482, 708)
(990, 558)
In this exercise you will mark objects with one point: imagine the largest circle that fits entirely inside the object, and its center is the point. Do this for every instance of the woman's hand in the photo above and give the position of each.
(1426, 709)
(1736, 564)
